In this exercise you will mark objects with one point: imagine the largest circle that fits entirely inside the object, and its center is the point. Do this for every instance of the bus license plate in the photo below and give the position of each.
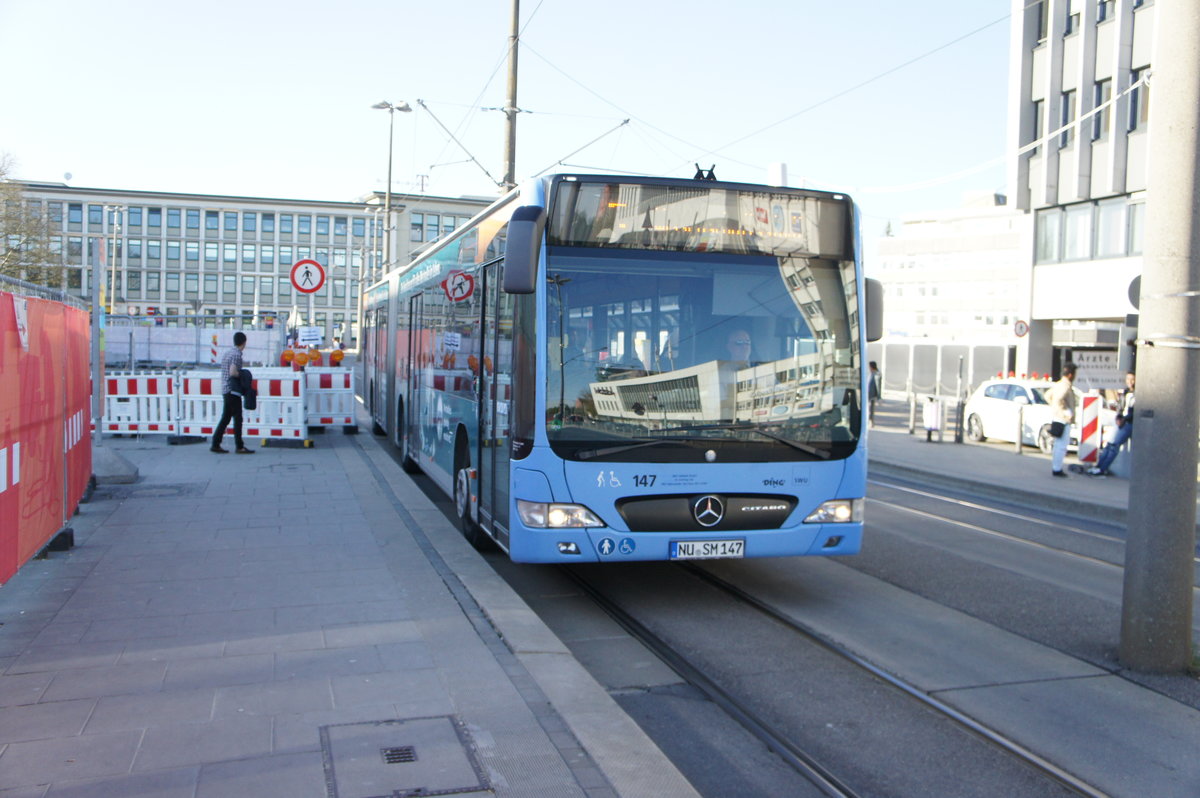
(707, 549)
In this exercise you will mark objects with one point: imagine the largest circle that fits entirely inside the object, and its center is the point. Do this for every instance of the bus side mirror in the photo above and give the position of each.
(525, 230)
(874, 309)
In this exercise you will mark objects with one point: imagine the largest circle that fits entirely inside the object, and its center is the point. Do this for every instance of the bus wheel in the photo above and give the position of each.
(462, 501)
(406, 459)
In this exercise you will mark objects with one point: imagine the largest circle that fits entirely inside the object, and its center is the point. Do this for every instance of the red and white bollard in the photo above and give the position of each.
(1089, 430)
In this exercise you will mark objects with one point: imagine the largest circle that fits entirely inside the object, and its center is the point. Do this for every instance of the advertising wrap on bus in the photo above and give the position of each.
(684, 380)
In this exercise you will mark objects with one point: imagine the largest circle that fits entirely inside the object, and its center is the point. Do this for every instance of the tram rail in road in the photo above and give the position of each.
(809, 764)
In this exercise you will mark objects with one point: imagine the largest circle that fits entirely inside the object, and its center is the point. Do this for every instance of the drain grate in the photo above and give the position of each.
(360, 759)
(398, 756)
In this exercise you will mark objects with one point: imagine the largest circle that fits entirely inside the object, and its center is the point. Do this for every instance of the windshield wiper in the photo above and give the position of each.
(588, 454)
(824, 454)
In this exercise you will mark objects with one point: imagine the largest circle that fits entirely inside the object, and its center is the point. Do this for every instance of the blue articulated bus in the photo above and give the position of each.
(604, 368)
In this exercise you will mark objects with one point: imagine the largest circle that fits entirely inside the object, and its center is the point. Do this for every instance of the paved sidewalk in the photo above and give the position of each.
(298, 622)
(994, 469)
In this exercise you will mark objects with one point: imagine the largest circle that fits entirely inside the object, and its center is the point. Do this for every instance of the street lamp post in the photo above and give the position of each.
(387, 197)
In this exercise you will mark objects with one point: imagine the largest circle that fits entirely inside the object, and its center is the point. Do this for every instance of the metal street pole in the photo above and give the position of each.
(403, 107)
(97, 366)
(387, 197)
(1156, 610)
(510, 107)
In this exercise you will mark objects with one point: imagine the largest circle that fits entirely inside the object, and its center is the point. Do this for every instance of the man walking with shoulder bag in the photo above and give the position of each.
(231, 368)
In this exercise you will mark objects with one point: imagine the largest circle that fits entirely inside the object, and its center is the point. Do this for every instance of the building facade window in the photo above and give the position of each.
(285, 223)
(193, 218)
(1110, 228)
(322, 225)
(231, 221)
(1072, 25)
(248, 253)
(418, 227)
(211, 251)
(95, 215)
(1139, 102)
(173, 218)
(134, 217)
(249, 221)
(1042, 10)
(304, 224)
(154, 217)
(212, 220)
(210, 287)
(230, 253)
(1137, 225)
(1104, 10)
(1048, 235)
(192, 251)
(1039, 123)
(268, 223)
(1102, 94)
(1066, 117)
(1077, 228)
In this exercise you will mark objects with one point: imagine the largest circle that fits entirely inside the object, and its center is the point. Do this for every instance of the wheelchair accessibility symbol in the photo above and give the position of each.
(607, 546)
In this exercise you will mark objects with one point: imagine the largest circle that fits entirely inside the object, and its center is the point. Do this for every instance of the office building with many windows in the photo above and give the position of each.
(1078, 113)
(228, 259)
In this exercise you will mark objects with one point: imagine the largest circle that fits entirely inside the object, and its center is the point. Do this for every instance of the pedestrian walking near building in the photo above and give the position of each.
(873, 387)
(1061, 398)
(1123, 432)
(231, 368)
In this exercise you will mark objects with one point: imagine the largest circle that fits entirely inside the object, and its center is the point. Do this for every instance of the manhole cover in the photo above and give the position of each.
(400, 759)
(150, 491)
(291, 468)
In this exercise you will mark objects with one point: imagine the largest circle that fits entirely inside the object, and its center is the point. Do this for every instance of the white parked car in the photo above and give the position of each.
(992, 410)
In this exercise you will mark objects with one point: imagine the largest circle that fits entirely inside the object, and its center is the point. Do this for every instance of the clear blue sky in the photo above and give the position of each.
(267, 99)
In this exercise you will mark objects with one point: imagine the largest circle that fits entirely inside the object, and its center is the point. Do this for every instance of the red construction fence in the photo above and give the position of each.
(45, 447)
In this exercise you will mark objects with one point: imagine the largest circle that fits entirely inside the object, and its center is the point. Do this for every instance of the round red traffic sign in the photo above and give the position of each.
(308, 276)
(1021, 328)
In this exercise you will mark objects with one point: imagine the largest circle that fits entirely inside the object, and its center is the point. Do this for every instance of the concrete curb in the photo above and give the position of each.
(1005, 493)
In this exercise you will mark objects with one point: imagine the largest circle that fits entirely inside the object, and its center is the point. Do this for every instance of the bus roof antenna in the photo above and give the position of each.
(705, 174)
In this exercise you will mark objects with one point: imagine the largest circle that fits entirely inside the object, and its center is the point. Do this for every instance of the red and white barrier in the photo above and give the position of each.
(330, 396)
(282, 405)
(1089, 430)
(142, 402)
(280, 414)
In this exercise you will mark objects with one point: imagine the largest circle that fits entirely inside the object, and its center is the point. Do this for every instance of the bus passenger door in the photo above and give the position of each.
(408, 435)
(495, 372)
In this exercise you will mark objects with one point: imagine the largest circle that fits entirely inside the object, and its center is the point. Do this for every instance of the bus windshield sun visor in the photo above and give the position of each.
(523, 249)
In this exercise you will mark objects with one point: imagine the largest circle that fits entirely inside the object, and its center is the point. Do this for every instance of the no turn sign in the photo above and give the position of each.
(308, 276)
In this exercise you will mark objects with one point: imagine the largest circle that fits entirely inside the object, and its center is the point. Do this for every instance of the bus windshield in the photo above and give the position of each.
(670, 356)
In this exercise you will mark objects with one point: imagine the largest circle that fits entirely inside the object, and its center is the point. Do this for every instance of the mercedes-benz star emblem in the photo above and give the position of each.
(708, 511)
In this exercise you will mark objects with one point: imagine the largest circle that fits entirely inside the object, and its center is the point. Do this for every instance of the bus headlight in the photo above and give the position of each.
(540, 515)
(837, 511)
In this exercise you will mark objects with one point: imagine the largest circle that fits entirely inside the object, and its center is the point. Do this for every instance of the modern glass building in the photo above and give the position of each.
(228, 259)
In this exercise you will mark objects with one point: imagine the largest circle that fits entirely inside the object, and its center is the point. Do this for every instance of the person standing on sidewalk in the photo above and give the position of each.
(1123, 433)
(231, 369)
(1061, 398)
(872, 392)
